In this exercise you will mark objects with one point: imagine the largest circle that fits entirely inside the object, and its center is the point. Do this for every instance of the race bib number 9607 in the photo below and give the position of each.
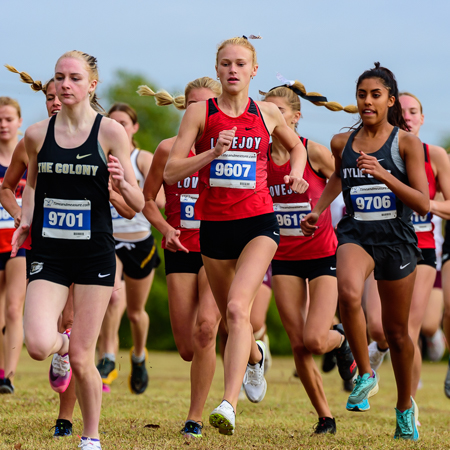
(67, 219)
(373, 202)
(234, 170)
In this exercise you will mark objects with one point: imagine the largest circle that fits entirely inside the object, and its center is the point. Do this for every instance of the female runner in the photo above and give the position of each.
(239, 233)
(193, 312)
(437, 167)
(67, 187)
(306, 262)
(12, 270)
(136, 259)
(383, 178)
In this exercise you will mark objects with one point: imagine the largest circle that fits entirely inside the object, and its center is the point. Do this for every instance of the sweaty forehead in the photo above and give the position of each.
(71, 65)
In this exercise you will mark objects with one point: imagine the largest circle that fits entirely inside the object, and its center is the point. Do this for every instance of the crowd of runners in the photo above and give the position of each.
(250, 206)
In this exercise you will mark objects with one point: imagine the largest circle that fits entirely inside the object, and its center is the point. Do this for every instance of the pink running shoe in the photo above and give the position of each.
(106, 388)
(60, 372)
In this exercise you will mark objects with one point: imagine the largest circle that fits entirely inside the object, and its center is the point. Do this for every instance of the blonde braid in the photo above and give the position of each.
(26, 78)
(162, 98)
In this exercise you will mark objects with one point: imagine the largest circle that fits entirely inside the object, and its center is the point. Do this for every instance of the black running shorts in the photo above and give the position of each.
(227, 239)
(5, 257)
(98, 270)
(429, 257)
(307, 269)
(181, 262)
(139, 258)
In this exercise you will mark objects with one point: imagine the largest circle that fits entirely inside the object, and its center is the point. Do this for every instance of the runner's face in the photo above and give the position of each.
(72, 81)
(9, 123)
(235, 68)
(291, 117)
(52, 102)
(373, 101)
(125, 120)
(199, 95)
(411, 113)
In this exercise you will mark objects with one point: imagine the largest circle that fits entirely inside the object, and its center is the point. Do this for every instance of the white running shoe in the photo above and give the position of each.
(375, 356)
(223, 418)
(268, 357)
(436, 346)
(255, 385)
(89, 444)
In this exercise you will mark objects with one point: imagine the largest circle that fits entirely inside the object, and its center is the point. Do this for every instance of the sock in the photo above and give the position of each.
(2, 373)
(383, 350)
(260, 333)
(86, 438)
(138, 359)
(110, 356)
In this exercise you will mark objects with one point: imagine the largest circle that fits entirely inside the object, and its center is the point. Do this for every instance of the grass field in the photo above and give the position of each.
(284, 420)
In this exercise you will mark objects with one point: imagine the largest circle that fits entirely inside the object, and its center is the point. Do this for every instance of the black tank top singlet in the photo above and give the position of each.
(71, 214)
(375, 216)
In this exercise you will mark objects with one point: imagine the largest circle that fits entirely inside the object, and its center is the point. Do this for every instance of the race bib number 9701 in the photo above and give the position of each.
(421, 223)
(234, 170)
(373, 202)
(289, 216)
(67, 219)
(187, 211)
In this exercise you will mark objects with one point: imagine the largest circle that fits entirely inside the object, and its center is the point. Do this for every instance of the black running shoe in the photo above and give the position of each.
(107, 370)
(328, 361)
(348, 385)
(192, 429)
(325, 425)
(345, 361)
(62, 428)
(138, 379)
(5, 386)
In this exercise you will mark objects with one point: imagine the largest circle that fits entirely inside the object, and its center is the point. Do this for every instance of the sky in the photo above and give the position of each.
(325, 44)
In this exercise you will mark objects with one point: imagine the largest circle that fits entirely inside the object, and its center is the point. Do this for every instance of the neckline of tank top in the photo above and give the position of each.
(230, 117)
(352, 137)
(85, 142)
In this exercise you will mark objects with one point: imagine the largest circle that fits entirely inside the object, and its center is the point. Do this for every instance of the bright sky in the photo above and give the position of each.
(326, 44)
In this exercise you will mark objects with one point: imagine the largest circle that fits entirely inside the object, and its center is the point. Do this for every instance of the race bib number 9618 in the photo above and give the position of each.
(234, 170)
(67, 219)
(289, 216)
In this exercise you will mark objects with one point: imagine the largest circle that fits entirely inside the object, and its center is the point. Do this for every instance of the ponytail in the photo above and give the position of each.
(162, 98)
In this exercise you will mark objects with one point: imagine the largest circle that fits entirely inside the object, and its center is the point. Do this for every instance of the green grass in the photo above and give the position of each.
(284, 420)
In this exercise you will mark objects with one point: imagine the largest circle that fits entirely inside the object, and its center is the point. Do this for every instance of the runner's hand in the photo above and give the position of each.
(224, 142)
(308, 224)
(297, 184)
(18, 238)
(173, 243)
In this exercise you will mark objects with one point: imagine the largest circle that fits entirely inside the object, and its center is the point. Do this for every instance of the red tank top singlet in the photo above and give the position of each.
(423, 225)
(290, 208)
(180, 203)
(234, 185)
(6, 221)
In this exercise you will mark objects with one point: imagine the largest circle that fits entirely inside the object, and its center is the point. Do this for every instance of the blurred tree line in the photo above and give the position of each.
(156, 124)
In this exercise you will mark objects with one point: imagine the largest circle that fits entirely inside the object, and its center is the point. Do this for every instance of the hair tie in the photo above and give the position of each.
(289, 84)
(252, 36)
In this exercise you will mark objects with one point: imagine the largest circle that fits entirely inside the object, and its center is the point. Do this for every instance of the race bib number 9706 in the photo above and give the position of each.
(373, 202)
(289, 216)
(187, 211)
(234, 170)
(67, 219)
(422, 223)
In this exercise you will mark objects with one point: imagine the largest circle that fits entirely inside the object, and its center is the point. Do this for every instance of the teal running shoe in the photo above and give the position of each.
(365, 387)
(406, 423)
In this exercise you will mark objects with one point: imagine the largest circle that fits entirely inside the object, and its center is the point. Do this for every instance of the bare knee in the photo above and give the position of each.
(376, 332)
(135, 315)
(186, 353)
(398, 339)
(237, 315)
(14, 311)
(349, 297)
(204, 334)
(315, 345)
(37, 348)
(298, 348)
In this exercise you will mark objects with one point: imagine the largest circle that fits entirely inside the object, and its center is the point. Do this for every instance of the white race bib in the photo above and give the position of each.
(6, 221)
(373, 202)
(67, 219)
(421, 223)
(118, 220)
(234, 170)
(187, 211)
(289, 216)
